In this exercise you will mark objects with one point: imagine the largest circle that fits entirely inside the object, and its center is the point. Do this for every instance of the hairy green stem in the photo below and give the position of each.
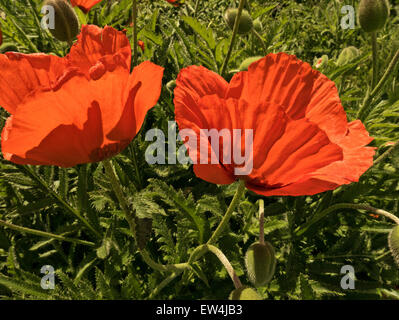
(45, 234)
(363, 111)
(374, 46)
(386, 153)
(130, 217)
(109, 170)
(160, 267)
(196, 8)
(57, 197)
(261, 221)
(226, 263)
(134, 33)
(338, 206)
(163, 284)
(262, 42)
(233, 37)
(226, 218)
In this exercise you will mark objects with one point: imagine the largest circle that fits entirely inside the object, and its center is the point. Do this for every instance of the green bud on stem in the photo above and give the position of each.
(373, 14)
(66, 24)
(245, 24)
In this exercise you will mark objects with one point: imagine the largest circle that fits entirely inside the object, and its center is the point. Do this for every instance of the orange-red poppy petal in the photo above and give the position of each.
(23, 74)
(141, 94)
(62, 128)
(280, 78)
(85, 5)
(95, 43)
(195, 82)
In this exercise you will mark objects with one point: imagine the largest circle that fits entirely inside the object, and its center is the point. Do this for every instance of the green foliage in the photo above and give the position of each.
(178, 212)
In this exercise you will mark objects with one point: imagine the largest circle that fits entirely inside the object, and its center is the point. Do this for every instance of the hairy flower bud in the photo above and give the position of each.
(373, 14)
(260, 262)
(245, 24)
(244, 293)
(247, 62)
(393, 242)
(171, 85)
(258, 25)
(66, 23)
(347, 55)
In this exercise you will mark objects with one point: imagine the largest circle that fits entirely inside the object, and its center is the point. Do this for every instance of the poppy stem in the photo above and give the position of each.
(109, 170)
(386, 153)
(196, 8)
(338, 206)
(130, 217)
(239, 192)
(226, 263)
(134, 33)
(262, 42)
(45, 234)
(364, 109)
(261, 221)
(374, 46)
(233, 37)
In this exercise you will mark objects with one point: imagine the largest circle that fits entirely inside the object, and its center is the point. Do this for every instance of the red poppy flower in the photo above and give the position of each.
(175, 3)
(302, 142)
(82, 108)
(141, 44)
(85, 5)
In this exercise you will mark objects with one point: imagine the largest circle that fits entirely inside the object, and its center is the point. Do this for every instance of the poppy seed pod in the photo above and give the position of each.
(393, 242)
(347, 55)
(244, 293)
(373, 14)
(245, 24)
(247, 62)
(66, 24)
(260, 262)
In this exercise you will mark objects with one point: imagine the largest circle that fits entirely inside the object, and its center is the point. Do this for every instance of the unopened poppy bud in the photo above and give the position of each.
(258, 25)
(260, 262)
(320, 62)
(245, 25)
(373, 14)
(141, 44)
(393, 242)
(244, 293)
(347, 55)
(1, 36)
(247, 62)
(171, 85)
(8, 47)
(66, 23)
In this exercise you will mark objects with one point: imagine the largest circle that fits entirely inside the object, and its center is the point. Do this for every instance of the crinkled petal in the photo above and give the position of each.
(95, 43)
(85, 5)
(62, 128)
(142, 93)
(23, 74)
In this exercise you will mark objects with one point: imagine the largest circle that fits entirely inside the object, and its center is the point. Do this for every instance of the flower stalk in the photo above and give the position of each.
(233, 37)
